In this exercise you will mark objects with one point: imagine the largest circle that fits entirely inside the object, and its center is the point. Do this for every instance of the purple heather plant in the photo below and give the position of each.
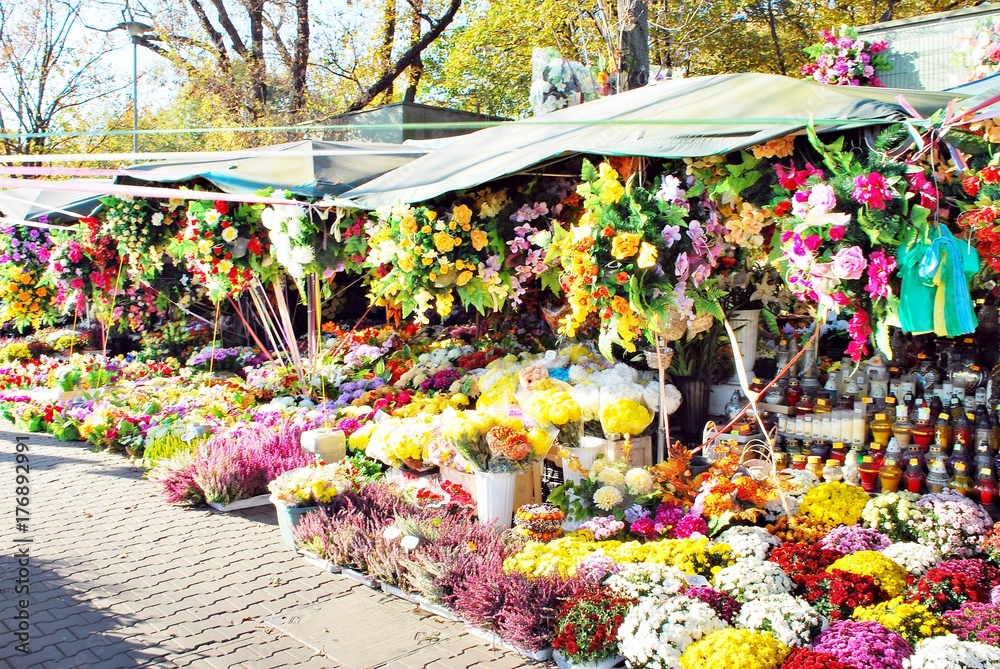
(975, 621)
(864, 645)
(853, 538)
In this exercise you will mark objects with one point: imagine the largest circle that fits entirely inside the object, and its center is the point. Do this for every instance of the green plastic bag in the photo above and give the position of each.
(934, 295)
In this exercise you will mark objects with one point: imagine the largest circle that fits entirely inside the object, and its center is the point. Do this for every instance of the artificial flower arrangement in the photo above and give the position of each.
(490, 443)
(609, 488)
(977, 53)
(293, 235)
(312, 485)
(629, 258)
(140, 227)
(482, 248)
(24, 256)
(844, 59)
(224, 246)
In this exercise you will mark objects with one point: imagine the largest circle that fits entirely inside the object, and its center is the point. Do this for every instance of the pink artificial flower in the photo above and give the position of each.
(880, 267)
(872, 190)
(859, 329)
(837, 233)
(849, 263)
(813, 242)
(925, 188)
(822, 199)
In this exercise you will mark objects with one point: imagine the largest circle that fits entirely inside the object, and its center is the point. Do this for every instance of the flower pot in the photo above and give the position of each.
(693, 412)
(589, 449)
(699, 464)
(566, 663)
(495, 498)
(288, 518)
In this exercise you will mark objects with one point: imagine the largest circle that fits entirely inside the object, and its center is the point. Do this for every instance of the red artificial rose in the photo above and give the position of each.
(990, 174)
(971, 186)
(837, 233)
(782, 208)
(222, 207)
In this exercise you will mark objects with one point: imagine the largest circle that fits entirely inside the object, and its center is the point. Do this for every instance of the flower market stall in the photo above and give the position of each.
(511, 431)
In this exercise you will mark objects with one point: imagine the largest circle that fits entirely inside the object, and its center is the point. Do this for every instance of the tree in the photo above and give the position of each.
(49, 77)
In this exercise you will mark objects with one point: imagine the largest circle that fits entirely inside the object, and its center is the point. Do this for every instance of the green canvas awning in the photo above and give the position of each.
(695, 117)
(308, 168)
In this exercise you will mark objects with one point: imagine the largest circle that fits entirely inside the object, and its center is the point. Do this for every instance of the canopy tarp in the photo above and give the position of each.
(31, 204)
(695, 117)
(308, 168)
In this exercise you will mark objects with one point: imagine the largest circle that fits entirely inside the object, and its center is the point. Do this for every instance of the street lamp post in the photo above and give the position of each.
(136, 31)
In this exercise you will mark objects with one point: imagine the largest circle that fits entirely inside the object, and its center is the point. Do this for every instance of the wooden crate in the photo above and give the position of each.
(527, 488)
(642, 451)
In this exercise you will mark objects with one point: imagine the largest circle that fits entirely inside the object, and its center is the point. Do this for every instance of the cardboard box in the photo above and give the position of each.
(527, 487)
(642, 451)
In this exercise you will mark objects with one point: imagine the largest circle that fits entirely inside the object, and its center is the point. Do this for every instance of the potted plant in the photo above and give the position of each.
(298, 491)
(587, 630)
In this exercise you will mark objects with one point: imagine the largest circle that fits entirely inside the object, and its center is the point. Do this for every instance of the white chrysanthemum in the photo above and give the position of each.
(598, 467)
(915, 558)
(791, 620)
(610, 476)
(950, 652)
(638, 481)
(607, 497)
(749, 542)
(656, 632)
(270, 219)
(750, 579)
(303, 255)
(646, 579)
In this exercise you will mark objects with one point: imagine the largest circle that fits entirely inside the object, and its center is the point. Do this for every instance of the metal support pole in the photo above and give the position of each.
(135, 94)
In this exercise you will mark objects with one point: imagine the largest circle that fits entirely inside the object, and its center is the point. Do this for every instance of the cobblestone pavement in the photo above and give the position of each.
(118, 578)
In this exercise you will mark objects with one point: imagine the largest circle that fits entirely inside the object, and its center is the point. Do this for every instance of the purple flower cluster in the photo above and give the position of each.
(864, 645)
(596, 567)
(975, 621)
(220, 359)
(352, 390)
(362, 355)
(441, 380)
(24, 246)
(853, 538)
(722, 603)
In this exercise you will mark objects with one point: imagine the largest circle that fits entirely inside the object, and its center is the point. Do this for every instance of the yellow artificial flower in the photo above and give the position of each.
(479, 239)
(405, 262)
(461, 214)
(647, 256)
(444, 242)
(464, 278)
(426, 230)
(408, 225)
(625, 245)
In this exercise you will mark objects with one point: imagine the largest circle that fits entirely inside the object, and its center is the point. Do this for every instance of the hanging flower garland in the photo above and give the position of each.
(141, 228)
(224, 246)
(24, 257)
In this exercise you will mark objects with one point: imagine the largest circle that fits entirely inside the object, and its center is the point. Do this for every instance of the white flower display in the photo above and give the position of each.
(611, 476)
(749, 579)
(790, 619)
(638, 481)
(950, 652)
(646, 579)
(915, 558)
(608, 497)
(291, 236)
(749, 542)
(656, 632)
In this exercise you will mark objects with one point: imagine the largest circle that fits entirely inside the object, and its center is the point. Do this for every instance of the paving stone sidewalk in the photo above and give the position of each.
(118, 578)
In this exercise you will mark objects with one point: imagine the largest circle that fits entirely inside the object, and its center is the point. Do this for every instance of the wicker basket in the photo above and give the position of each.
(701, 324)
(674, 326)
(653, 360)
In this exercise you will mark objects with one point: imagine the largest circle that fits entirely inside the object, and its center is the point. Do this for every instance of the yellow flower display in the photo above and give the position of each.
(555, 406)
(911, 620)
(625, 416)
(625, 245)
(834, 503)
(479, 239)
(563, 556)
(735, 649)
(888, 575)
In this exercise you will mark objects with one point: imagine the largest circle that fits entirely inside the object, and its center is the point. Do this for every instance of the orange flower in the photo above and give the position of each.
(625, 245)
